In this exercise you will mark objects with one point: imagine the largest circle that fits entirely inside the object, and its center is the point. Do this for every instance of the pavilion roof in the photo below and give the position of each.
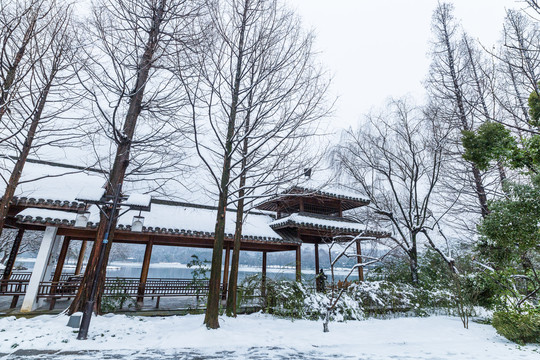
(335, 225)
(349, 199)
(167, 217)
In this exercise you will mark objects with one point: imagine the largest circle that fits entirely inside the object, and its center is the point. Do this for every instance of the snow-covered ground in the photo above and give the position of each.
(260, 336)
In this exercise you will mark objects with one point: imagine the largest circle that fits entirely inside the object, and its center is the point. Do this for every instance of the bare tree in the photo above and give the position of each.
(396, 159)
(36, 87)
(450, 87)
(253, 105)
(127, 83)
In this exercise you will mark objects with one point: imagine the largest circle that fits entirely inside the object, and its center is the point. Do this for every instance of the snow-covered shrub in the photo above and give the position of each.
(295, 300)
(518, 327)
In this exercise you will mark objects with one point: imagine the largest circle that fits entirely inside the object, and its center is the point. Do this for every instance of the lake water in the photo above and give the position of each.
(177, 270)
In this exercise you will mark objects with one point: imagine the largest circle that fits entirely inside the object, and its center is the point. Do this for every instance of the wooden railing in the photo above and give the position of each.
(68, 285)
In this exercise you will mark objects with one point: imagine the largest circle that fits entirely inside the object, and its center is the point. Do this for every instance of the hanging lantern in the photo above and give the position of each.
(137, 224)
(82, 219)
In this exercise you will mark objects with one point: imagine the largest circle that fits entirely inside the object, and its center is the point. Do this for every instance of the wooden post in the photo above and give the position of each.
(144, 273)
(301, 204)
(80, 260)
(298, 263)
(360, 269)
(58, 269)
(226, 271)
(13, 255)
(316, 258)
(263, 285)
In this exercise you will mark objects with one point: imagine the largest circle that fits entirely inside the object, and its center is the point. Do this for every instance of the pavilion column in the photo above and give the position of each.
(80, 259)
(298, 263)
(59, 268)
(316, 258)
(13, 255)
(144, 273)
(263, 285)
(226, 271)
(359, 257)
(41, 266)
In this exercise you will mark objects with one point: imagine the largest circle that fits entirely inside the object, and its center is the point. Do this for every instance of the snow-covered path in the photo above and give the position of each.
(257, 336)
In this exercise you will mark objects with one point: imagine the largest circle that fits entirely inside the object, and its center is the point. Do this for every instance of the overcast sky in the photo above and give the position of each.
(378, 48)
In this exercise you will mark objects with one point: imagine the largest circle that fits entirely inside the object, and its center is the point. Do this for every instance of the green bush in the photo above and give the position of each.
(518, 327)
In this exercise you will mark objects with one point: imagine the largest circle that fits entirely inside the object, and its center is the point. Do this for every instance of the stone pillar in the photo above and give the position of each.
(42, 268)
(226, 271)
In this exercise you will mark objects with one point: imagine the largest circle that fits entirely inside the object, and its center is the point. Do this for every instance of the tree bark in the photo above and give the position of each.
(212, 308)
(16, 173)
(119, 168)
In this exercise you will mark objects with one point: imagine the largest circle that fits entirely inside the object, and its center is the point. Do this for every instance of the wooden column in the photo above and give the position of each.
(263, 285)
(144, 273)
(298, 263)
(80, 260)
(13, 255)
(360, 269)
(316, 258)
(301, 204)
(226, 271)
(58, 269)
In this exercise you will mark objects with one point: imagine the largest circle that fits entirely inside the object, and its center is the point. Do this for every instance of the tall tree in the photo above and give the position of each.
(254, 104)
(449, 89)
(36, 75)
(127, 85)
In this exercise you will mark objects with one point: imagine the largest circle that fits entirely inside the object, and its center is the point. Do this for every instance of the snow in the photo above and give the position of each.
(91, 194)
(303, 219)
(141, 200)
(263, 336)
(173, 217)
(56, 183)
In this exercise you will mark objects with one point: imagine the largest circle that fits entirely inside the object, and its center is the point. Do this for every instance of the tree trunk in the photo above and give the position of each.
(459, 99)
(413, 260)
(10, 77)
(233, 278)
(25, 150)
(118, 171)
(212, 308)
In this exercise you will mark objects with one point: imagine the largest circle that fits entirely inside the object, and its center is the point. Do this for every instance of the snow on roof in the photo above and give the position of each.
(55, 182)
(141, 200)
(325, 223)
(90, 194)
(301, 219)
(169, 218)
(333, 190)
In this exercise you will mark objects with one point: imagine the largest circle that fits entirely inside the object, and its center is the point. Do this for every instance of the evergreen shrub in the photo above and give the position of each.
(518, 327)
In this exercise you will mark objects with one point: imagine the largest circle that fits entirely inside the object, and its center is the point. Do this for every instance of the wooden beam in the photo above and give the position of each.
(359, 253)
(144, 273)
(13, 255)
(298, 263)
(58, 269)
(316, 258)
(226, 271)
(263, 285)
(80, 259)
